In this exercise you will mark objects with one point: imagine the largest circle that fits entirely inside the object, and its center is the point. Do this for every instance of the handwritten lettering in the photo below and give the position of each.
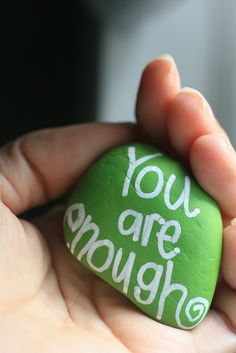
(144, 293)
(151, 281)
(184, 197)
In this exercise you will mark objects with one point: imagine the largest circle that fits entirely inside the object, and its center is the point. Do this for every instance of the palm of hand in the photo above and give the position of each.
(68, 309)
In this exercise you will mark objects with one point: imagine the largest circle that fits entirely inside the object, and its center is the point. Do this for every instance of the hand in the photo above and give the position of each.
(48, 302)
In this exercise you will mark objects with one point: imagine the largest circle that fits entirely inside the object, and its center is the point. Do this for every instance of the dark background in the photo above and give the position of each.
(48, 70)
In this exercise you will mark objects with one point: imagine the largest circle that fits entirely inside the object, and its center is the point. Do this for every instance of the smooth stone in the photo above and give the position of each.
(138, 219)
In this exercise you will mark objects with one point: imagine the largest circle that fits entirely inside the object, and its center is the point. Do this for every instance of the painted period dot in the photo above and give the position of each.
(139, 221)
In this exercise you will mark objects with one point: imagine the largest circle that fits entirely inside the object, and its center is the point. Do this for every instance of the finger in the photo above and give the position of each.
(189, 116)
(120, 314)
(224, 301)
(229, 256)
(45, 164)
(213, 162)
(159, 83)
(214, 335)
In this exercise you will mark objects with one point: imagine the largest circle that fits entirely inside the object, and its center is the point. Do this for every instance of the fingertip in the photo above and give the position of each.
(189, 116)
(166, 57)
(163, 61)
(202, 101)
(157, 77)
(229, 255)
(213, 162)
(159, 83)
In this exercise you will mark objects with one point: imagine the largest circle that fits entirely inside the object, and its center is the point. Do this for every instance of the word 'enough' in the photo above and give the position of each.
(83, 227)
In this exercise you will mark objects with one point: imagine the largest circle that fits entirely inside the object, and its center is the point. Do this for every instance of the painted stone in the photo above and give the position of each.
(140, 222)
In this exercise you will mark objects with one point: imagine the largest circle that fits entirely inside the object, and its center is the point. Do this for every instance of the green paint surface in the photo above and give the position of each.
(164, 254)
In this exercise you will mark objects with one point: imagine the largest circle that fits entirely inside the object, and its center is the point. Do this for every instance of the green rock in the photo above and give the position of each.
(140, 222)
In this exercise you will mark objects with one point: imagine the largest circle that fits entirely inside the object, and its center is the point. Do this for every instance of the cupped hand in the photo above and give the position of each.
(48, 301)
(182, 122)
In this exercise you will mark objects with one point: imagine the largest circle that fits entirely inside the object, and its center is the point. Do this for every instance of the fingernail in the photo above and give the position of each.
(166, 57)
(233, 222)
(204, 104)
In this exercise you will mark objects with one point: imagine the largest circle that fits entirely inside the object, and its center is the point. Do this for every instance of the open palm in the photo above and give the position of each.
(48, 301)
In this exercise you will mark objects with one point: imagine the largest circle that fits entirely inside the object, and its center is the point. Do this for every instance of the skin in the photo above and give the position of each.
(48, 301)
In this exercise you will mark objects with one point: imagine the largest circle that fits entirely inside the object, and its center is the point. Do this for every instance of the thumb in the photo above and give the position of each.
(34, 169)
(24, 259)
(45, 164)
